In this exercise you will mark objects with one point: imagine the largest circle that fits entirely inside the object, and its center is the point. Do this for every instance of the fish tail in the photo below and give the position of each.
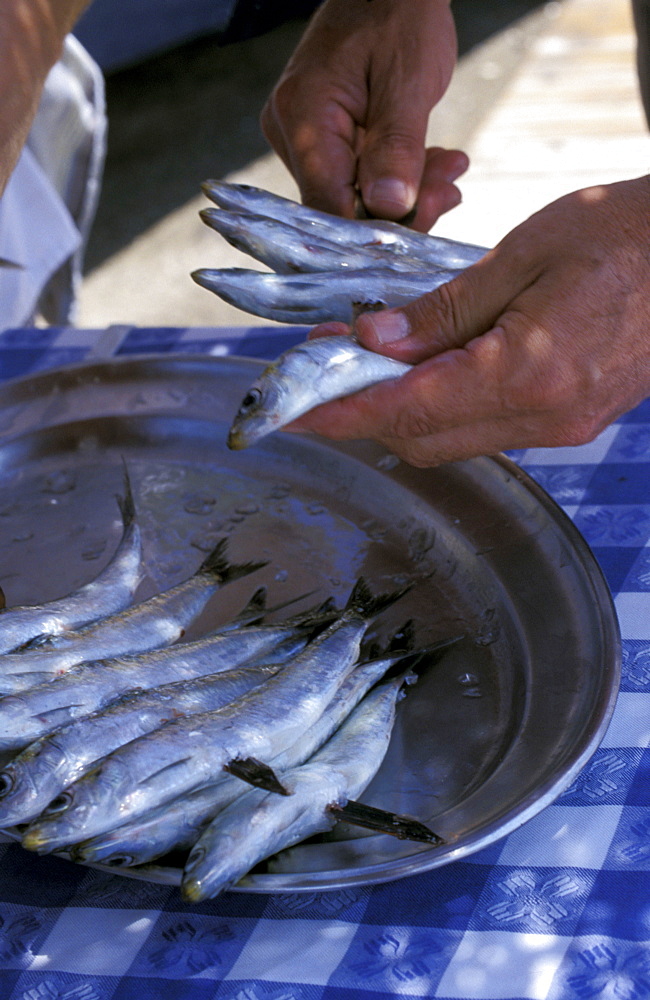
(364, 603)
(216, 565)
(125, 501)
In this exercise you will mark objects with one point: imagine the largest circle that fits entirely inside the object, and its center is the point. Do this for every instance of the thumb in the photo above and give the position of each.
(391, 162)
(448, 317)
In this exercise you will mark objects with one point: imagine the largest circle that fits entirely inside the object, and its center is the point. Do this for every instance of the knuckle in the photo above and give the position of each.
(439, 313)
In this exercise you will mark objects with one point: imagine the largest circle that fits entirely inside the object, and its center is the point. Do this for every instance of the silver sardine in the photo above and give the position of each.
(320, 297)
(36, 776)
(88, 687)
(391, 236)
(288, 250)
(110, 592)
(154, 623)
(306, 375)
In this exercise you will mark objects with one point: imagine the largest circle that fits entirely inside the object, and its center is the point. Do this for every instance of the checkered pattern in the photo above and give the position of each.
(559, 910)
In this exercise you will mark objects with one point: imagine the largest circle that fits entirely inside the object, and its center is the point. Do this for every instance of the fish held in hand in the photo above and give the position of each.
(391, 237)
(288, 249)
(320, 297)
(306, 375)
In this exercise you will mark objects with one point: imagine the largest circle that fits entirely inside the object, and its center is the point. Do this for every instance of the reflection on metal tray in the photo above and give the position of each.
(491, 735)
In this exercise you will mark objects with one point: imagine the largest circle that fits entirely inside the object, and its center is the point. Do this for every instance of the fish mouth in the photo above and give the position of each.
(236, 440)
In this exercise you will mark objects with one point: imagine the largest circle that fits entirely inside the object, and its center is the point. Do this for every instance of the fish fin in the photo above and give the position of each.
(255, 609)
(364, 603)
(256, 773)
(403, 639)
(414, 663)
(400, 642)
(402, 827)
(300, 615)
(125, 500)
(40, 641)
(216, 564)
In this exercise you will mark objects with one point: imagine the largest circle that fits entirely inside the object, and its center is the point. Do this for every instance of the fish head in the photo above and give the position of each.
(272, 401)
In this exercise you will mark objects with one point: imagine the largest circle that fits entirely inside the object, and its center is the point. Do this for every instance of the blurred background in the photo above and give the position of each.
(544, 101)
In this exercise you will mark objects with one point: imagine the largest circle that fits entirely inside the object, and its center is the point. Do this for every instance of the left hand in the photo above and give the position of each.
(349, 114)
(543, 342)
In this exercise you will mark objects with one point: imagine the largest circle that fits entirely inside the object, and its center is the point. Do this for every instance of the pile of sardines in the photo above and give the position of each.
(123, 746)
(324, 269)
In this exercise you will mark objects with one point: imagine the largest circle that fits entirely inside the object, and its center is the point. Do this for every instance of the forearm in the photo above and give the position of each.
(31, 37)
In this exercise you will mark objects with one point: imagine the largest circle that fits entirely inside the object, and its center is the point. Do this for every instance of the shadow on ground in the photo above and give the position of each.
(194, 112)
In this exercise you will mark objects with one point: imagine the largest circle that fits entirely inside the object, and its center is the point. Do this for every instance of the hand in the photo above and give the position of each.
(349, 114)
(543, 342)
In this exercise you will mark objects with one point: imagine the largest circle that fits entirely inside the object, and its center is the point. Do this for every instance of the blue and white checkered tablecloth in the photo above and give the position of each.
(559, 910)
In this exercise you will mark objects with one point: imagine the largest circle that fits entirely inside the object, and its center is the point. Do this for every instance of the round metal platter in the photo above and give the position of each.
(489, 736)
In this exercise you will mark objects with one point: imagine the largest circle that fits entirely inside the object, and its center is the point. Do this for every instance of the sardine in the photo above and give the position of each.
(88, 687)
(36, 776)
(261, 823)
(320, 297)
(187, 753)
(392, 236)
(154, 623)
(109, 593)
(288, 250)
(304, 376)
(177, 824)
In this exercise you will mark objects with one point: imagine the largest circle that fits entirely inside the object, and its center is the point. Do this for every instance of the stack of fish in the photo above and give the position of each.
(326, 269)
(121, 740)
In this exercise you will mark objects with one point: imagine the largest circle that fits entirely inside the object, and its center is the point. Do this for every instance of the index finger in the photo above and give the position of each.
(317, 145)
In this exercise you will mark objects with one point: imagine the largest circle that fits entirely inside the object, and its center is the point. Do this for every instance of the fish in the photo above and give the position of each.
(43, 769)
(287, 249)
(304, 376)
(176, 825)
(323, 296)
(391, 236)
(156, 622)
(109, 593)
(89, 687)
(261, 823)
(187, 753)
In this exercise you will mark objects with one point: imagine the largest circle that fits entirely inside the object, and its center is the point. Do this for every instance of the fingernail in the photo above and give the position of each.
(387, 326)
(390, 192)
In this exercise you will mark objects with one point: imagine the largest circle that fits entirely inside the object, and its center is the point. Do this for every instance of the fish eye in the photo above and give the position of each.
(6, 783)
(250, 400)
(120, 861)
(59, 804)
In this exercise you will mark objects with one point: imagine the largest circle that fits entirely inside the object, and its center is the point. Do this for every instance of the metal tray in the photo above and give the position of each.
(488, 738)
